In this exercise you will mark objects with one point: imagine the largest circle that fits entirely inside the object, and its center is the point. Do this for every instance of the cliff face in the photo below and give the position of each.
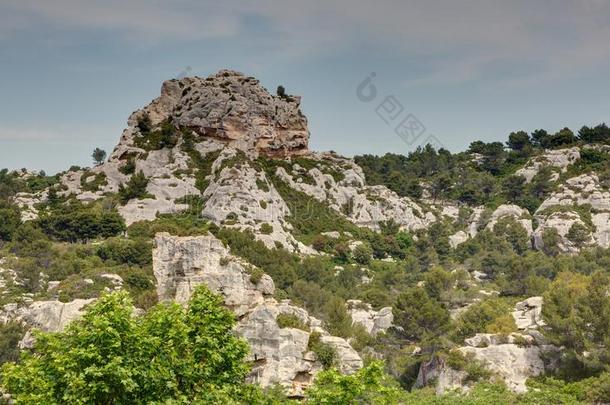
(281, 355)
(234, 109)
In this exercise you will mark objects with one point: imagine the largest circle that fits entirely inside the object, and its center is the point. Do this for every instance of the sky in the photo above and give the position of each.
(450, 71)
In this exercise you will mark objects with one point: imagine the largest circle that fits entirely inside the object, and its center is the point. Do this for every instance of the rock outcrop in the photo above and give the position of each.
(514, 357)
(49, 316)
(372, 321)
(180, 264)
(528, 314)
(280, 355)
(559, 159)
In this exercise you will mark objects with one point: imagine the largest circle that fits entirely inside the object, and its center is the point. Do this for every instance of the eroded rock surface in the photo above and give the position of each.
(372, 321)
(280, 355)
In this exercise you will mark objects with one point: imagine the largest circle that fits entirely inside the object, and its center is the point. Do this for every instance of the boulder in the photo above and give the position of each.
(372, 321)
(528, 314)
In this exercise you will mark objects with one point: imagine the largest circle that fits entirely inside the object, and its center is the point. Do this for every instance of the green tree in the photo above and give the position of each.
(134, 188)
(172, 353)
(579, 234)
(370, 385)
(519, 141)
(513, 188)
(541, 138)
(98, 156)
(10, 221)
(362, 254)
(419, 315)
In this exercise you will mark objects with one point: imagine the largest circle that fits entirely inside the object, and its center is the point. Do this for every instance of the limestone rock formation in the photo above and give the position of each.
(514, 357)
(561, 222)
(560, 159)
(181, 264)
(280, 355)
(528, 314)
(340, 183)
(49, 316)
(372, 321)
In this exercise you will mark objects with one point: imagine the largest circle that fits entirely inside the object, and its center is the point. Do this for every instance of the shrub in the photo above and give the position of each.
(362, 254)
(77, 222)
(291, 321)
(10, 335)
(325, 353)
(11, 219)
(134, 188)
(95, 184)
(266, 229)
(126, 251)
(172, 354)
(256, 275)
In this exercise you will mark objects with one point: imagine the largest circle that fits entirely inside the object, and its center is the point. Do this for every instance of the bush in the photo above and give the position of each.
(326, 354)
(266, 229)
(134, 188)
(77, 222)
(11, 219)
(126, 251)
(172, 354)
(291, 321)
(362, 254)
(10, 335)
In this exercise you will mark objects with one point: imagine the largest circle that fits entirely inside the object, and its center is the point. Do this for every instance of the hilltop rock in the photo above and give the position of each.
(560, 159)
(234, 109)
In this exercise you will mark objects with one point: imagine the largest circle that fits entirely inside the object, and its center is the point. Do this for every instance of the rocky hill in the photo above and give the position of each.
(441, 265)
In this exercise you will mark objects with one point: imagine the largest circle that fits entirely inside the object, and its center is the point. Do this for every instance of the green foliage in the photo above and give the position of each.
(99, 179)
(308, 216)
(579, 234)
(10, 334)
(134, 188)
(325, 353)
(203, 164)
(370, 385)
(266, 229)
(129, 167)
(291, 321)
(126, 251)
(484, 316)
(98, 156)
(165, 136)
(362, 254)
(76, 221)
(420, 316)
(111, 356)
(577, 311)
(11, 219)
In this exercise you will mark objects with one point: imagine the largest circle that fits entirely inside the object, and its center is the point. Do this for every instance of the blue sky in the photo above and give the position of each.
(71, 71)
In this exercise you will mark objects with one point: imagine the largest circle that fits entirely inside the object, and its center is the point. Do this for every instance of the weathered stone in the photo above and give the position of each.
(182, 263)
(279, 355)
(372, 321)
(49, 316)
(528, 313)
(560, 158)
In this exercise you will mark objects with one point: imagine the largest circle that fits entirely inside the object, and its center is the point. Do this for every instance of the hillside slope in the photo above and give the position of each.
(454, 269)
